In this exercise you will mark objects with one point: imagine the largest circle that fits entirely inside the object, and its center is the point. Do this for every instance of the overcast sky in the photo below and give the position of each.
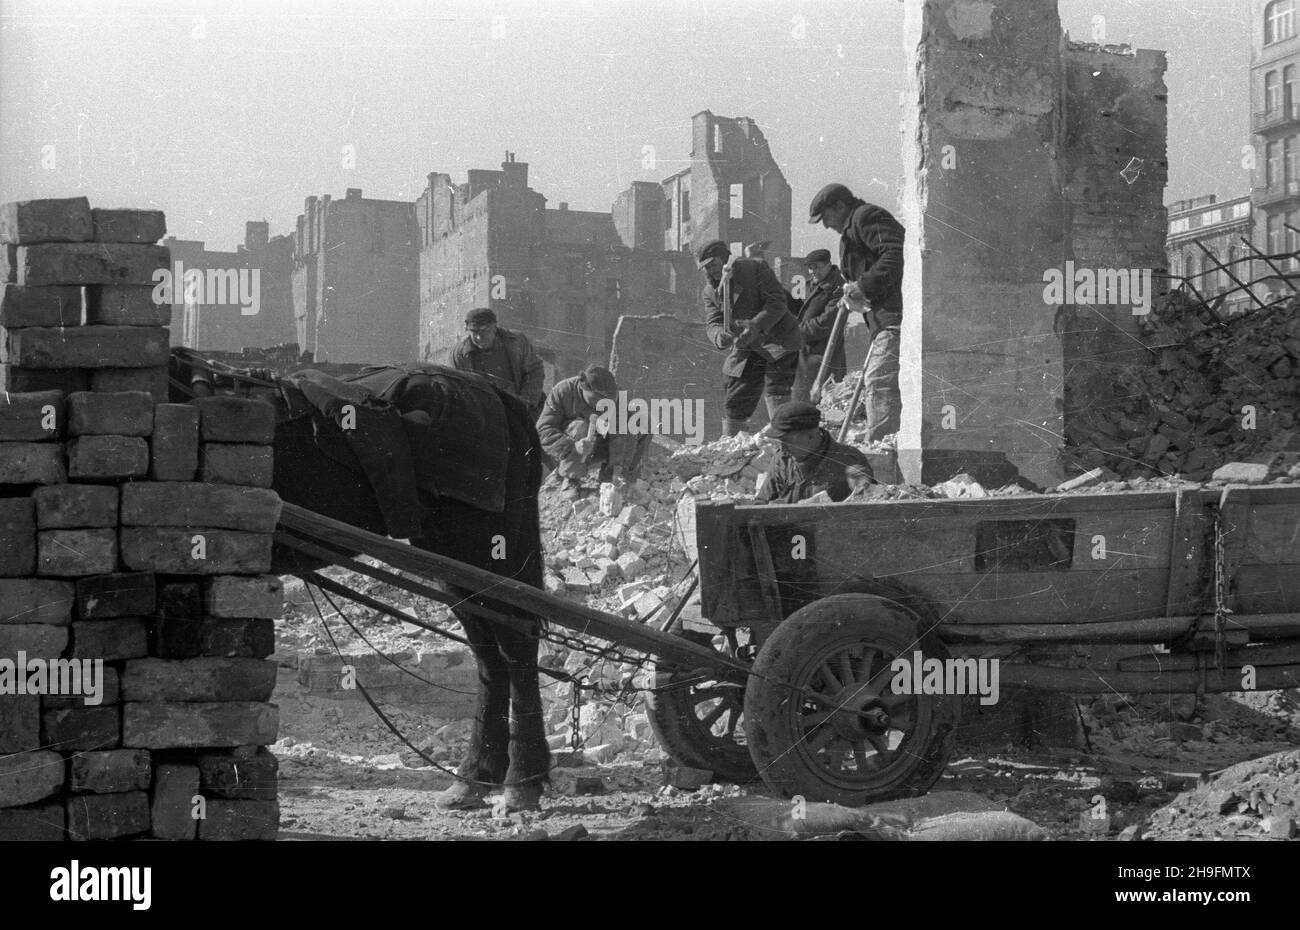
(221, 111)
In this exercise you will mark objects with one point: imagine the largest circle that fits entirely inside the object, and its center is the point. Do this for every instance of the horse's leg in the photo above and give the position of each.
(487, 757)
(530, 757)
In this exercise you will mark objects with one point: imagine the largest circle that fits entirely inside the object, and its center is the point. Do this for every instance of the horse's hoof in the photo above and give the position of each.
(522, 798)
(460, 797)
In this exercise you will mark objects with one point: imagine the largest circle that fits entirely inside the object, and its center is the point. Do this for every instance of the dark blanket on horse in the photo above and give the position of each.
(422, 427)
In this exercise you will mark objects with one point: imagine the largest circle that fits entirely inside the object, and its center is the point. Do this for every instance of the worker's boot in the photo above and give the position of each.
(525, 797)
(773, 401)
(732, 427)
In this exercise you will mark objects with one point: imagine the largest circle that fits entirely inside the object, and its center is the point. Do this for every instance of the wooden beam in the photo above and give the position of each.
(493, 590)
(1181, 661)
(1088, 681)
(766, 572)
(1145, 630)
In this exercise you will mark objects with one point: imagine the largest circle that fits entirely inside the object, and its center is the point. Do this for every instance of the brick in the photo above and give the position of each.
(73, 506)
(32, 463)
(176, 503)
(204, 679)
(18, 530)
(27, 416)
(236, 419)
(82, 728)
(153, 381)
(86, 347)
(36, 639)
(237, 464)
(244, 596)
(196, 725)
(65, 380)
(8, 263)
(76, 552)
(108, 692)
(29, 776)
(37, 823)
(180, 599)
(138, 226)
(107, 457)
(240, 776)
(174, 789)
(1242, 473)
(20, 718)
(174, 448)
(52, 220)
(117, 413)
(125, 305)
(107, 816)
(170, 550)
(240, 820)
(39, 306)
(110, 640)
(90, 263)
(120, 594)
(110, 771)
(685, 777)
(217, 637)
(35, 601)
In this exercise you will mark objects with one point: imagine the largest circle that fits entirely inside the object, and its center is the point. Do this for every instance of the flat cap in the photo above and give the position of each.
(601, 380)
(817, 255)
(480, 315)
(794, 416)
(828, 195)
(713, 249)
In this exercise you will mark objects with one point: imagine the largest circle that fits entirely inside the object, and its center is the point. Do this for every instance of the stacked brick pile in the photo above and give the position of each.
(134, 532)
(1184, 414)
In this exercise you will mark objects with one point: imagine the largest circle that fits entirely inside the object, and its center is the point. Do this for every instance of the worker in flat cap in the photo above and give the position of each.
(817, 318)
(810, 461)
(746, 314)
(570, 427)
(871, 260)
(502, 354)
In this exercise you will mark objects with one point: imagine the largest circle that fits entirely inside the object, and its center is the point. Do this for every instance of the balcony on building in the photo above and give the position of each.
(1277, 193)
(1279, 117)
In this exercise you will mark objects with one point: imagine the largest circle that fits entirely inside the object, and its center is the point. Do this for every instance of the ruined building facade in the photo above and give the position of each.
(209, 317)
(355, 280)
(563, 277)
(1219, 226)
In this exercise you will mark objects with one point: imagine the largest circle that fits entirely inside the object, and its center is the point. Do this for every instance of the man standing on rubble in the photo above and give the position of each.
(871, 260)
(816, 320)
(501, 354)
(568, 424)
(746, 314)
(810, 461)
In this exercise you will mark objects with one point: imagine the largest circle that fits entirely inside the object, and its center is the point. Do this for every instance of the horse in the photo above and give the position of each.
(314, 469)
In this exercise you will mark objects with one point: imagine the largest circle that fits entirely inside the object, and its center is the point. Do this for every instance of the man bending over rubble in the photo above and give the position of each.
(568, 424)
(810, 462)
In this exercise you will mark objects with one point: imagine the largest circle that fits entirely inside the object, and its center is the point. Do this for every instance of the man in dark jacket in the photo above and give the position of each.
(755, 325)
(507, 356)
(810, 461)
(568, 424)
(816, 321)
(871, 259)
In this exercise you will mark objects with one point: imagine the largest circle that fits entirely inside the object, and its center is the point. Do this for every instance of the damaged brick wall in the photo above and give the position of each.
(666, 357)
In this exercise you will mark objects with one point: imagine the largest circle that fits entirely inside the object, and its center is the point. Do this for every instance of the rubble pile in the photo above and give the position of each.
(834, 404)
(1217, 391)
(136, 612)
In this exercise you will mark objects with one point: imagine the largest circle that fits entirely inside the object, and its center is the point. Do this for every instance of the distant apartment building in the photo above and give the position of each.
(1220, 227)
(356, 280)
(1275, 123)
(219, 304)
(563, 277)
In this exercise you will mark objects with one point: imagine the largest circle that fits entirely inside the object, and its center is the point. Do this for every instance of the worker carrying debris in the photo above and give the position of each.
(810, 462)
(816, 321)
(575, 429)
(502, 354)
(745, 312)
(871, 260)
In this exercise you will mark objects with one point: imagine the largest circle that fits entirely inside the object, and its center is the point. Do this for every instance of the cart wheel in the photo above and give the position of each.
(699, 723)
(859, 742)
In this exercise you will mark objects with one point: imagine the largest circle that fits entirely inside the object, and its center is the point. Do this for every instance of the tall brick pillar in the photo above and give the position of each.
(982, 371)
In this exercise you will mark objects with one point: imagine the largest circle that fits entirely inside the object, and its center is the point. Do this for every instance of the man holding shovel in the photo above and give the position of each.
(821, 325)
(871, 259)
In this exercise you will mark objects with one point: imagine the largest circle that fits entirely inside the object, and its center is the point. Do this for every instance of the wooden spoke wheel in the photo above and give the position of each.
(823, 719)
(699, 720)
